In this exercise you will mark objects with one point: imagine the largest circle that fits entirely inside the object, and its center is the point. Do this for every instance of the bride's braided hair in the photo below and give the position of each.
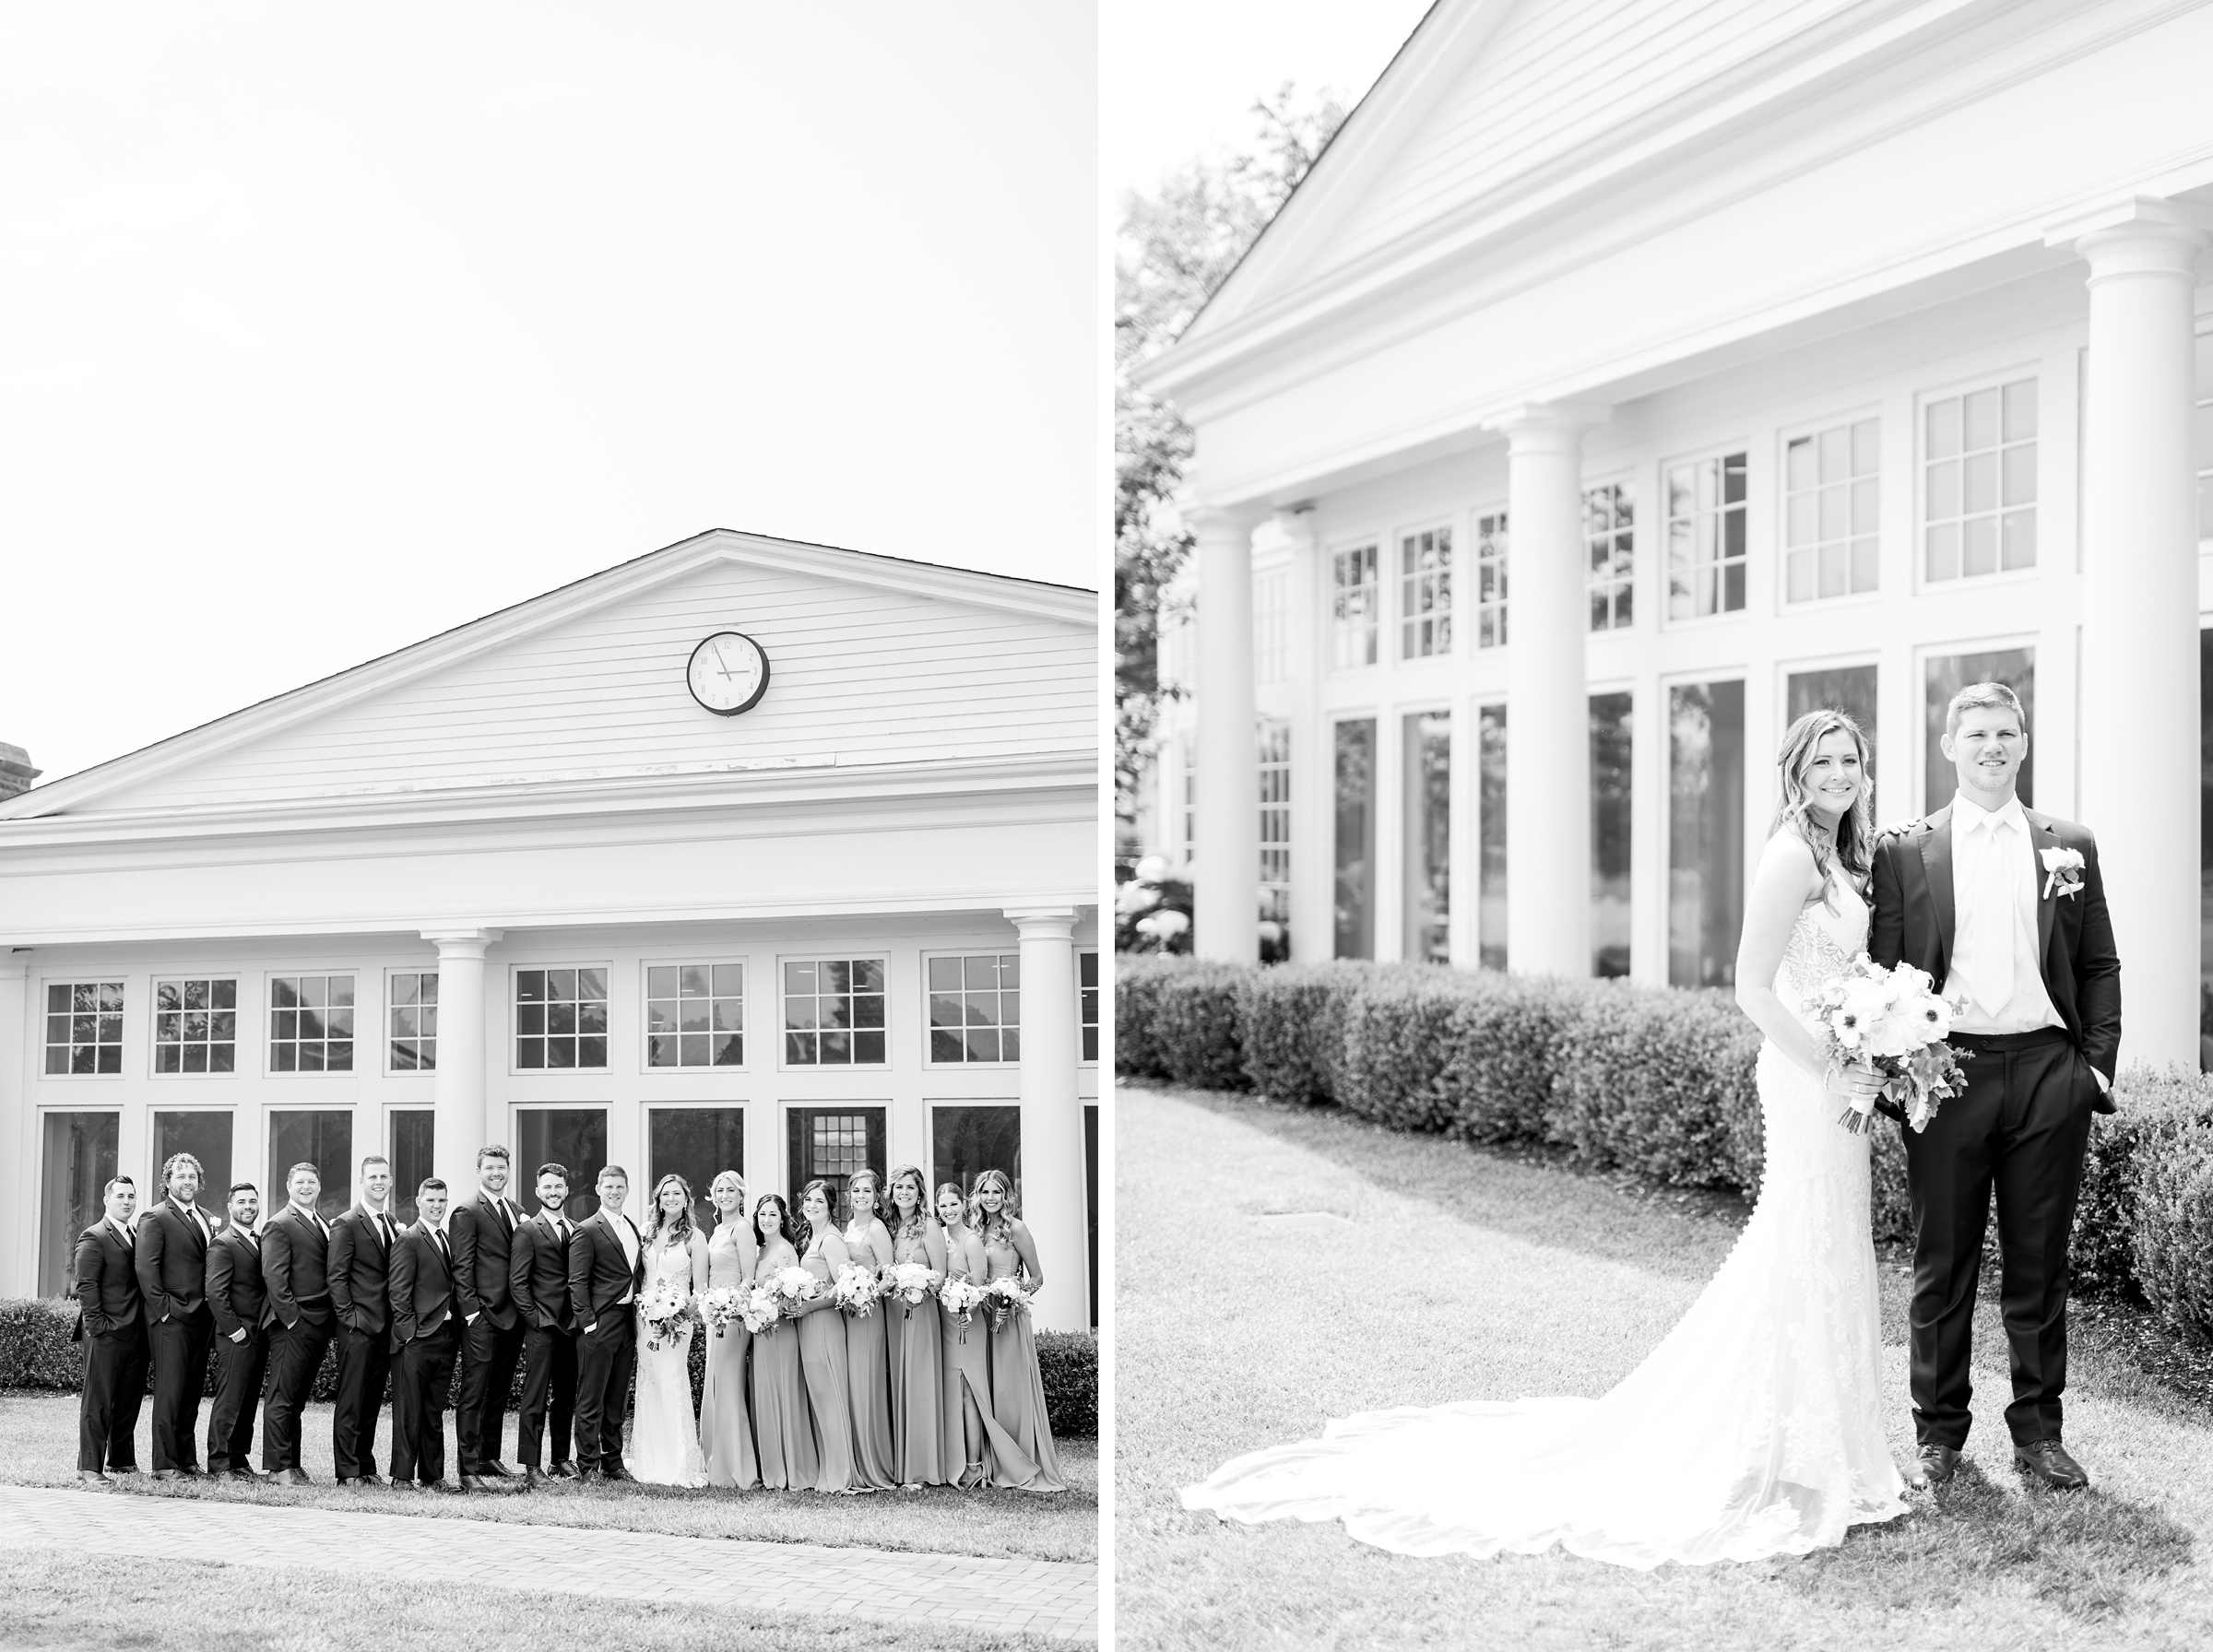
(1852, 844)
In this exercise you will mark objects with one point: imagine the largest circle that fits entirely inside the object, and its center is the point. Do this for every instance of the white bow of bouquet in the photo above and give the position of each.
(1891, 1022)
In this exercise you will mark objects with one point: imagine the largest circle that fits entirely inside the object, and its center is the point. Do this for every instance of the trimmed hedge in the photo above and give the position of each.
(1659, 1082)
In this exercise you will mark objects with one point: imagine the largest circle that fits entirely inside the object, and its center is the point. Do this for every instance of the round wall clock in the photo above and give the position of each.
(728, 673)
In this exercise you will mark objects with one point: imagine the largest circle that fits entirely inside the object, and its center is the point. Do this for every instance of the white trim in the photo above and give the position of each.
(649, 961)
(512, 1019)
(931, 1063)
(883, 956)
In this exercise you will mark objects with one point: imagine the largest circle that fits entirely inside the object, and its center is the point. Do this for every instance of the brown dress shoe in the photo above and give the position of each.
(2047, 1461)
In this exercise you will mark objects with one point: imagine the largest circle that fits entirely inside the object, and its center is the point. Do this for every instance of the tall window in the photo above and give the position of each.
(560, 1019)
(1428, 737)
(1354, 609)
(1706, 537)
(412, 1036)
(84, 1027)
(967, 1140)
(311, 1023)
(2204, 438)
(832, 1144)
(833, 1012)
(1704, 832)
(694, 1015)
(1490, 581)
(205, 1133)
(976, 1008)
(1187, 803)
(1275, 820)
(1847, 689)
(1490, 837)
(77, 1156)
(320, 1137)
(1610, 550)
(1426, 593)
(1947, 675)
(412, 1149)
(1357, 838)
(1087, 1003)
(1611, 727)
(1271, 626)
(195, 1025)
(1830, 482)
(698, 1144)
(1978, 481)
(575, 1137)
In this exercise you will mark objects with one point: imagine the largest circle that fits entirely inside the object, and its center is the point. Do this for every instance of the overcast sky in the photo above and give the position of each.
(324, 328)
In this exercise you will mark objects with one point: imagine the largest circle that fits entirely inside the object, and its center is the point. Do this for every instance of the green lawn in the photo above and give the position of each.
(37, 1446)
(1263, 1262)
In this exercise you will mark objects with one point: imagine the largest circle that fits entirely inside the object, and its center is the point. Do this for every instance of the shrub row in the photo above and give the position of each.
(1654, 1081)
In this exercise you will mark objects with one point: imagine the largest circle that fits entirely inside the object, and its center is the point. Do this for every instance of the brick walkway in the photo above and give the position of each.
(1052, 1598)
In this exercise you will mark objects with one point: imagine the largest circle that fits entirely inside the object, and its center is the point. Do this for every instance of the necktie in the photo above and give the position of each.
(444, 1255)
(562, 1226)
(507, 1217)
(383, 1224)
(1993, 967)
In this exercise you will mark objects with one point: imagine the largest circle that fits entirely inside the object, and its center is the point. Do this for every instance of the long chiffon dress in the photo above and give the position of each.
(782, 1428)
(967, 1368)
(829, 1388)
(1017, 1387)
(869, 1370)
(918, 1376)
(725, 1421)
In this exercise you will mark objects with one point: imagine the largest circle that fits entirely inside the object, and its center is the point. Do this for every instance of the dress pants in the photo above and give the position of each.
(549, 1374)
(295, 1355)
(180, 1354)
(364, 1367)
(489, 1356)
(114, 1388)
(239, 1370)
(604, 1361)
(426, 1375)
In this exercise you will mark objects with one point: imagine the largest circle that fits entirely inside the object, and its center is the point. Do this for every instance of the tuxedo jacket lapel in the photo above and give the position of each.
(1936, 867)
(2042, 835)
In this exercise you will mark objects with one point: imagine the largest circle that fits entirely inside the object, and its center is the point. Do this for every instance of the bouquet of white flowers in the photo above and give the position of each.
(664, 1307)
(796, 1285)
(963, 1297)
(718, 1307)
(910, 1283)
(1891, 1022)
(856, 1291)
(759, 1311)
(1007, 1296)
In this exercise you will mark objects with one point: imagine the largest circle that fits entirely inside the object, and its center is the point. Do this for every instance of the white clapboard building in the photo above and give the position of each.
(745, 855)
(1632, 375)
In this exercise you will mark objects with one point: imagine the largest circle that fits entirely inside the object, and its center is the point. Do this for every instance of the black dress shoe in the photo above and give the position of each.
(251, 1475)
(533, 1477)
(295, 1477)
(122, 1470)
(564, 1470)
(92, 1479)
(472, 1483)
(1937, 1464)
(2047, 1461)
(166, 1473)
(349, 1480)
(588, 1476)
(373, 1479)
(492, 1468)
(618, 1472)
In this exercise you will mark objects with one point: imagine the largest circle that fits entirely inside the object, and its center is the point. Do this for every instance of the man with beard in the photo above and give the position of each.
(491, 1336)
(171, 1259)
(111, 1322)
(237, 1299)
(537, 1276)
(361, 1250)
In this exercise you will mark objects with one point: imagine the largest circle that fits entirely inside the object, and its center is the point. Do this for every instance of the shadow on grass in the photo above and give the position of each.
(2078, 1552)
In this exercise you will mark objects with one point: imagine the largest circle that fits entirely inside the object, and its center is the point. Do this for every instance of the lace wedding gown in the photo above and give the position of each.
(1754, 1429)
(664, 1436)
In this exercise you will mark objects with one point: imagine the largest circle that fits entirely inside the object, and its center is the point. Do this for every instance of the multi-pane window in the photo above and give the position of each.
(2205, 436)
(560, 1019)
(195, 1025)
(833, 1012)
(1355, 606)
(1706, 537)
(1178, 647)
(1426, 593)
(1610, 553)
(976, 1008)
(84, 1026)
(311, 1023)
(1978, 481)
(1276, 819)
(1490, 581)
(832, 1144)
(1830, 494)
(694, 1015)
(412, 1036)
(1187, 803)
(1271, 626)
(1087, 1002)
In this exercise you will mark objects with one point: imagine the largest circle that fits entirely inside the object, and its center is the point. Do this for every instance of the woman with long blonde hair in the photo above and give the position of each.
(1017, 1385)
(916, 1355)
(664, 1442)
(726, 1420)
(977, 1451)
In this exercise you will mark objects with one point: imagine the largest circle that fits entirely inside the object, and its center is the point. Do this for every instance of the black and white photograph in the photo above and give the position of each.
(551, 827)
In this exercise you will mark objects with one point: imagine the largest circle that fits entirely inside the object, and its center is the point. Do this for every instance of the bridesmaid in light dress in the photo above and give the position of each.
(978, 1451)
(787, 1455)
(725, 1421)
(868, 1367)
(918, 1378)
(822, 1337)
(1017, 1387)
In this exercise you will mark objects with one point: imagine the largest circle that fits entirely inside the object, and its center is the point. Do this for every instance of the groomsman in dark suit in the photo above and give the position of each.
(361, 1250)
(537, 1280)
(111, 1322)
(606, 1267)
(171, 1258)
(423, 1336)
(295, 1257)
(491, 1334)
(236, 1299)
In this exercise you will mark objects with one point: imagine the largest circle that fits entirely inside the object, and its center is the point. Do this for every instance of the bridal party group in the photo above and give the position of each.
(893, 1353)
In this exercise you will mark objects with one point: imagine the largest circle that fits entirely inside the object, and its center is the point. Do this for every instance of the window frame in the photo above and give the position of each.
(1961, 390)
(745, 1031)
(274, 1199)
(1813, 431)
(1098, 992)
(929, 1136)
(153, 1026)
(1371, 547)
(1491, 543)
(784, 1062)
(1272, 623)
(1282, 730)
(385, 1025)
(514, 1022)
(790, 1108)
(1620, 588)
(930, 1060)
(45, 986)
(1717, 454)
(268, 1029)
(1440, 583)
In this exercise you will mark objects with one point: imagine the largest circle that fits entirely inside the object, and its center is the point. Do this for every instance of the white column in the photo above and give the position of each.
(2139, 687)
(460, 1089)
(1548, 713)
(18, 1132)
(1052, 1116)
(1312, 922)
(1226, 879)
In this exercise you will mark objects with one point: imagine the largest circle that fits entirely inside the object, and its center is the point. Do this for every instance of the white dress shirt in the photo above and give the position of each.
(1994, 961)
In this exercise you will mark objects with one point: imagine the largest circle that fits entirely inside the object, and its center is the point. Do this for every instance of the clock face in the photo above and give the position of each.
(728, 673)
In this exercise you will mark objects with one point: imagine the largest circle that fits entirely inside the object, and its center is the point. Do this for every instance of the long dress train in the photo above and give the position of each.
(664, 1438)
(965, 1374)
(1017, 1387)
(725, 1421)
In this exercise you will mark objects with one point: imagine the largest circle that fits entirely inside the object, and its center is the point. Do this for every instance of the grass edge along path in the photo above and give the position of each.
(1264, 1283)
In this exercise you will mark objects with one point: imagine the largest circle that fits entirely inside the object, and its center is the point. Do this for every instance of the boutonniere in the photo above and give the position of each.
(2063, 872)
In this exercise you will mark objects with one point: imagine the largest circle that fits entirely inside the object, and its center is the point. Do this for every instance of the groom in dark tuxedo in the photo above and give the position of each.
(2006, 909)
(605, 1267)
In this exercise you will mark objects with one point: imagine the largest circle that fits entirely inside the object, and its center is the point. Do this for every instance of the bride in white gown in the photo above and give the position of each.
(664, 1438)
(1756, 1427)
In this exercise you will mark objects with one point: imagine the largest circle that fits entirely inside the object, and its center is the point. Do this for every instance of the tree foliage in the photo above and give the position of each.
(1175, 247)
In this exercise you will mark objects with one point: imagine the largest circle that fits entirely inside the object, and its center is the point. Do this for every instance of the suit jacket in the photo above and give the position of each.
(1914, 921)
(172, 1265)
(482, 1255)
(598, 1273)
(359, 1270)
(294, 1257)
(236, 1295)
(537, 1276)
(108, 1298)
(421, 1289)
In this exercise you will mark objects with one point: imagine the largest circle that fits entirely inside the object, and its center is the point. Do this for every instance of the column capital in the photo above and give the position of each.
(1043, 923)
(462, 943)
(2136, 235)
(1548, 424)
(1221, 522)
